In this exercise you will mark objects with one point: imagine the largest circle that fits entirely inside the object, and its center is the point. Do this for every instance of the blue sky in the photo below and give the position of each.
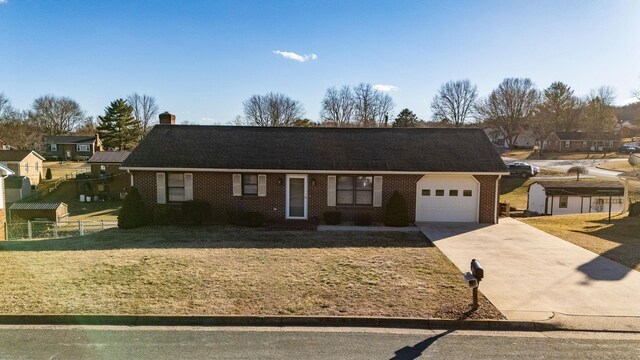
(201, 59)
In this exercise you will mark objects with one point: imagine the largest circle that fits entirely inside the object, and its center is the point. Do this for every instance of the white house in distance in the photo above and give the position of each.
(576, 197)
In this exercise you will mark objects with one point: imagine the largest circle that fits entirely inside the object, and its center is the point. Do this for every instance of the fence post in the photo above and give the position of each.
(55, 229)
(102, 224)
(81, 227)
(29, 229)
(6, 231)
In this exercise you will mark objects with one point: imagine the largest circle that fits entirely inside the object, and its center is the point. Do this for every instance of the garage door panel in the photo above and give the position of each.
(443, 199)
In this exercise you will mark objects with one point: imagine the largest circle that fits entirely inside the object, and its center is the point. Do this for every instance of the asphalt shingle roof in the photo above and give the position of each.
(582, 187)
(346, 149)
(15, 155)
(69, 139)
(102, 157)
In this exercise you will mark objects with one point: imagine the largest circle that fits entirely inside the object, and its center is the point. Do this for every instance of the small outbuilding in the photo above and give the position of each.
(52, 211)
(17, 188)
(576, 197)
(107, 180)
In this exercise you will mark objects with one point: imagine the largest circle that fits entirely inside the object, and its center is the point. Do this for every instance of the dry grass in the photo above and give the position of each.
(617, 165)
(234, 271)
(531, 155)
(60, 169)
(618, 241)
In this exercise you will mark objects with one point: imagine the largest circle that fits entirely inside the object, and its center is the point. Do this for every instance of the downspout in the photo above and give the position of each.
(496, 210)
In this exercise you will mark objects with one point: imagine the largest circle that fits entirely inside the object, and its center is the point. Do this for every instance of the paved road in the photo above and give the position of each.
(530, 274)
(305, 343)
(564, 165)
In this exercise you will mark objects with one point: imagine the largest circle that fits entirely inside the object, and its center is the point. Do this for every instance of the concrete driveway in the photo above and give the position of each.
(530, 274)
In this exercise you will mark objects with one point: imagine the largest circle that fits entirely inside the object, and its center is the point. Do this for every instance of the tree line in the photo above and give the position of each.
(122, 126)
(516, 106)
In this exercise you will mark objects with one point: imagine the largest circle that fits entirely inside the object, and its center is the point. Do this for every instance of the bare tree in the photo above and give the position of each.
(272, 109)
(338, 107)
(454, 102)
(56, 115)
(372, 107)
(578, 170)
(598, 114)
(145, 110)
(510, 108)
(5, 105)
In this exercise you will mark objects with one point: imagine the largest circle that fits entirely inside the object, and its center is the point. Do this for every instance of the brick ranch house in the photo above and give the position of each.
(581, 141)
(299, 173)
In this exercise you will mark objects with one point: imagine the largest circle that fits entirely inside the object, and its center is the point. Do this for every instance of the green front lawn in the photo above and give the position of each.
(213, 270)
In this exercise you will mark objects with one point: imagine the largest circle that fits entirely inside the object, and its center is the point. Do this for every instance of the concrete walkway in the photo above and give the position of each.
(530, 274)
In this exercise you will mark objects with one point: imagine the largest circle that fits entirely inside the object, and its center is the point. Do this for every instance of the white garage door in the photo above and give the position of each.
(447, 198)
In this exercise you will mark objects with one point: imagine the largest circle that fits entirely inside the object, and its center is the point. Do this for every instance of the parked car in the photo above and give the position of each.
(523, 169)
(628, 149)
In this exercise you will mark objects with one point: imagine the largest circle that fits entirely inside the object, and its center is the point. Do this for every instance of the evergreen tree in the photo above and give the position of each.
(406, 119)
(118, 128)
(132, 213)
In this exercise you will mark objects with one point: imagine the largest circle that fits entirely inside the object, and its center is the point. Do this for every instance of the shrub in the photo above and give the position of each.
(363, 219)
(196, 211)
(332, 217)
(49, 175)
(634, 209)
(396, 213)
(132, 214)
(164, 214)
(251, 219)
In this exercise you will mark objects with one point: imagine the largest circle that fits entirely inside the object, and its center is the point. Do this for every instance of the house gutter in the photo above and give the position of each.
(289, 171)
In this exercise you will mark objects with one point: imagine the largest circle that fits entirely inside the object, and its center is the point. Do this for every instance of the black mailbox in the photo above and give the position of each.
(477, 270)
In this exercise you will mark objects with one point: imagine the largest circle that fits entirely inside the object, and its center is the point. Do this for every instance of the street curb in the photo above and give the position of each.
(275, 320)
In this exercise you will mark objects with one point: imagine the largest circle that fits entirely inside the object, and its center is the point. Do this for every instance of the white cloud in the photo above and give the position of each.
(294, 56)
(385, 87)
(4, 1)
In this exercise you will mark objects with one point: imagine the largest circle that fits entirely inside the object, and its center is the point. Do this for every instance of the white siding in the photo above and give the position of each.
(578, 204)
(536, 198)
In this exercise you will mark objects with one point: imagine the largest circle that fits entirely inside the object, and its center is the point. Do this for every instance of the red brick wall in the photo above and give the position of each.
(489, 207)
(216, 188)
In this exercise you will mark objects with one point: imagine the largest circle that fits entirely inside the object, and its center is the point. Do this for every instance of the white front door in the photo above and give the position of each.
(296, 197)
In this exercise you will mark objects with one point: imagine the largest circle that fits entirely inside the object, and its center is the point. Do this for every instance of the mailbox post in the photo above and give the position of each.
(478, 273)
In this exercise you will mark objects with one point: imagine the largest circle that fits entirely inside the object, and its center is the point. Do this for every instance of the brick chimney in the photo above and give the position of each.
(167, 119)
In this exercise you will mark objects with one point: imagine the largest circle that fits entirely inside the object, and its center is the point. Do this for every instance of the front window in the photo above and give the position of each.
(26, 167)
(175, 187)
(83, 147)
(54, 147)
(250, 184)
(564, 200)
(354, 190)
(103, 169)
(567, 143)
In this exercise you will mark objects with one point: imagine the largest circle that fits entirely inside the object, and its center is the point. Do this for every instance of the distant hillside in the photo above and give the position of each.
(629, 113)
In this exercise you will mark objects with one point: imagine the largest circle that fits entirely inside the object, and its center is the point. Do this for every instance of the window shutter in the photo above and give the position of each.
(188, 186)
(161, 197)
(377, 191)
(237, 184)
(331, 191)
(1, 193)
(262, 185)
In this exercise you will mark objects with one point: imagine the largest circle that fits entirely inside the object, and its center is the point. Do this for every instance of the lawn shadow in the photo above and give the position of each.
(509, 184)
(220, 237)
(415, 351)
(627, 253)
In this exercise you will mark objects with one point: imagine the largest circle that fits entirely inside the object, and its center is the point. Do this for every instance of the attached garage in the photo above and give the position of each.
(452, 198)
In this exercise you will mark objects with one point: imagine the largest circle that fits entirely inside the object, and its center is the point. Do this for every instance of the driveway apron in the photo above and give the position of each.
(530, 274)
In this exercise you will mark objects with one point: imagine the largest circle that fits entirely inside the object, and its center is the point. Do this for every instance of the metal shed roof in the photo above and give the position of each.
(36, 205)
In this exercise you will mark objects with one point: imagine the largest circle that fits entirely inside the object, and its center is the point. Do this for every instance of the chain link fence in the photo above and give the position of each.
(53, 230)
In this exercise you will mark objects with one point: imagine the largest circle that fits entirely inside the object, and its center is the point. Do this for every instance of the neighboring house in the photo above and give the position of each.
(105, 171)
(17, 188)
(300, 173)
(581, 141)
(23, 163)
(71, 147)
(4, 172)
(51, 211)
(4, 146)
(629, 131)
(576, 197)
(525, 140)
